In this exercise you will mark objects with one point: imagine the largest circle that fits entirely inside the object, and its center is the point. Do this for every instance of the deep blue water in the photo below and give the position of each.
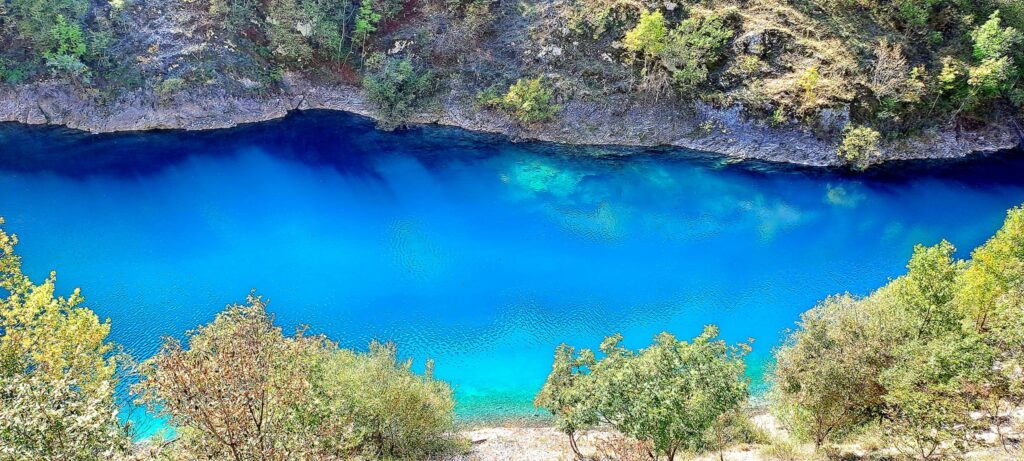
(465, 248)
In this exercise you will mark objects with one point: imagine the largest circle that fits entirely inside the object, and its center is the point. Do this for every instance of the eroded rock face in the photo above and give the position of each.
(621, 122)
(170, 38)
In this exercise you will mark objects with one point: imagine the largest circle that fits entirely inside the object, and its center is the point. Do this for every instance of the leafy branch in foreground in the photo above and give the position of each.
(57, 372)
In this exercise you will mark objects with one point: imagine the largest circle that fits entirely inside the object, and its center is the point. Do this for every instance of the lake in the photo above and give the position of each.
(479, 253)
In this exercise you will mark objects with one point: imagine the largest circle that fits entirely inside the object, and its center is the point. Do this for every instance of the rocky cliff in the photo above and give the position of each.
(702, 127)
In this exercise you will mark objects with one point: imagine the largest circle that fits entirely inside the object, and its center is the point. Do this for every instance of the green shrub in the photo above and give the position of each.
(65, 58)
(823, 389)
(694, 47)
(528, 100)
(686, 52)
(11, 72)
(288, 44)
(992, 41)
(366, 23)
(565, 393)
(809, 86)
(860, 146)
(649, 37)
(395, 413)
(396, 87)
(168, 87)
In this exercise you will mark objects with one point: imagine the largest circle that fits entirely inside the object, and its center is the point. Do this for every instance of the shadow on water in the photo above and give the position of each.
(349, 143)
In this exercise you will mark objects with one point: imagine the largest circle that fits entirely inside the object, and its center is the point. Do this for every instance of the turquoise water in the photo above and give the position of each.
(462, 247)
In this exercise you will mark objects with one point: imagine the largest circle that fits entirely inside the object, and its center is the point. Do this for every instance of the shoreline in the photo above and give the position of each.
(725, 132)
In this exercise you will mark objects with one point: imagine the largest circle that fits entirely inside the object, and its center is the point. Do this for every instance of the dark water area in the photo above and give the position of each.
(462, 247)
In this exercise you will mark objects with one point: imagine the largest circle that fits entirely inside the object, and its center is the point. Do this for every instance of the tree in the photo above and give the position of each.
(684, 53)
(239, 389)
(990, 295)
(825, 378)
(43, 418)
(992, 41)
(670, 394)
(694, 46)
(649, 37)
(35, 21)
(912, 355)
(394, 413)
(57, 372)
(565, 393)
(366, 23)
(994, 47)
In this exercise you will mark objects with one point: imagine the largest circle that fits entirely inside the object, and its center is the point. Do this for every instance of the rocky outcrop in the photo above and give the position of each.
(612, 122)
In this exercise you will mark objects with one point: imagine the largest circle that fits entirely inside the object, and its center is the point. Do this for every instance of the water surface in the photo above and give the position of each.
(462, 247)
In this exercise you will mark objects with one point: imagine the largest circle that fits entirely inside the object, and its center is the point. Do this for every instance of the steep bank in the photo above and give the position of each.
(625, 122)
(765, 79)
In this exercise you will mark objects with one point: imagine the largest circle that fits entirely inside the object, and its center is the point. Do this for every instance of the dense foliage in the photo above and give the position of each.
(917, 359)
(396, 87)
(57, 372)
(529, 100)
(239, 389)
(671, 394)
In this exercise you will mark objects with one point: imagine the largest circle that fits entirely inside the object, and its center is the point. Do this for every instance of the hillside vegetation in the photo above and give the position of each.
(861, 72)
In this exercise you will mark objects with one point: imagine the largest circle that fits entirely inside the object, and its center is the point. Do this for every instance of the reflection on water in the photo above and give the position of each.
(462, 247)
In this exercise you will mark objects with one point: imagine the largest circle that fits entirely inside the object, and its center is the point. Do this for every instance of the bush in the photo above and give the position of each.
(168, 87)
(241, 389)
(396, 87)
(528, 100)
(860, 146)
(822, 388)
(565, 393)
(395, 413)
(686, 53)
(694, 47)
(65, 59)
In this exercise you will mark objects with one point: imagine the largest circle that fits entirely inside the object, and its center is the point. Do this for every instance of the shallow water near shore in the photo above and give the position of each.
(465, 248)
